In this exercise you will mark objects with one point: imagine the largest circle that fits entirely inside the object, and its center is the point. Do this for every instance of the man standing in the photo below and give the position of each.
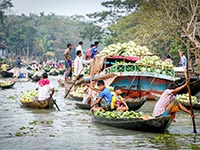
(68, 62)
(78, 64)
(183, 59)
(94, 49)
(80, 47)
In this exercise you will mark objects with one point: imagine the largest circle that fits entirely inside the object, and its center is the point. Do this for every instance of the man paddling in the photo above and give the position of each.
(168, 104)
(44, 87)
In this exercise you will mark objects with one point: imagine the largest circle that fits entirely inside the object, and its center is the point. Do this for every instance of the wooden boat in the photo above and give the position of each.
(61, 82)
(135, 82)
(35, 79)
(7, 86)
(194, 105)
(47, 103)
(136, 103)
(159, 124)
(82, 106)
(6, 74)
(76, 98)
(194, 80)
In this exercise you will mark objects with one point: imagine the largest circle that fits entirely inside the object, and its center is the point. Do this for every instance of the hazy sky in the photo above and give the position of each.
(59, 7)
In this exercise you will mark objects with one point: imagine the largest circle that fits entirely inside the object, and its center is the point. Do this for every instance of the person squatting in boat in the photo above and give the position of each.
(168, 104)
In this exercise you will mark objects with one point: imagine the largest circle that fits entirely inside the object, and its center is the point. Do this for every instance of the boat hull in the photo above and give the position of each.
(159, 124)
(47, 103)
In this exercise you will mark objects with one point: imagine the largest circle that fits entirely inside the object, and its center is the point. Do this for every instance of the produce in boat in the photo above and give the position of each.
(79, 92)
(126, 114)
(125, 49)
(185, 98)
(29, 96)
(5, 83)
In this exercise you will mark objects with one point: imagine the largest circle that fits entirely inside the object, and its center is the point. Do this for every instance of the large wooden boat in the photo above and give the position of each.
(134, 82)
(194, 80)
(159, 124)
(47, 103)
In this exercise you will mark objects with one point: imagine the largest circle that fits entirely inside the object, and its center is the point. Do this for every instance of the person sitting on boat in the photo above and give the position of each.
(118, 102)
(4, 66)
(169, 59)
(44, 86)
(168, 104)
(105, 96)
(90, 95)
(38, 73)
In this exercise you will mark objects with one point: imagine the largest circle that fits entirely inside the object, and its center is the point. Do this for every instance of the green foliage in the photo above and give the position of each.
(4, 5)
(33, 35)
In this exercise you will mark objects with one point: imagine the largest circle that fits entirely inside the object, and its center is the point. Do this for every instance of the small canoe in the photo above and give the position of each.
(35, 79)
(82, 106)
(76, 98)
(136, 103)
(47, 103)
(159, 124)
(54, 73)
(7, 86)
(61, 82)
(194, 105)
(6, 74)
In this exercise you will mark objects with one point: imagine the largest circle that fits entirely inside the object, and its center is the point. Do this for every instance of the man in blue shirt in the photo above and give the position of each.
(94, 49)
(105, 96)
(183, 60)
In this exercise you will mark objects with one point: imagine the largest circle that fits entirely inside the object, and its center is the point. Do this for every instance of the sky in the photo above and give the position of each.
(59, 7)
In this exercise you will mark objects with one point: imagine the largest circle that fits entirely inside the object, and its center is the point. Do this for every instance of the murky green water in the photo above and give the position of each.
(71, 128)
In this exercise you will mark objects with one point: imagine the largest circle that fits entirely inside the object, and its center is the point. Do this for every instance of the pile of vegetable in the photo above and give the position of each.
(29, 96)
(79, 92)
(119, 114)
(154, 64)
(125, 49)
(185, 98)
(5, 83)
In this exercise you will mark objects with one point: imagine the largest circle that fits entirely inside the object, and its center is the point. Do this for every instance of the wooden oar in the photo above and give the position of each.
(56, 104)
(77, 78)
(186, 72)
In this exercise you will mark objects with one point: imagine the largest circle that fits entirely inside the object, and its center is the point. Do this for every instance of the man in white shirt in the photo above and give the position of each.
(78, 64)
(45, 88)
(80, 47)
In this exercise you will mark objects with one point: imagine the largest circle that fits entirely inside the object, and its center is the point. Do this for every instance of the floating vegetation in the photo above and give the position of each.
(51, 135)
(176, 141)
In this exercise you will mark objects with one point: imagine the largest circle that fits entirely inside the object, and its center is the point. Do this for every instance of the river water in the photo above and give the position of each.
(30, 129)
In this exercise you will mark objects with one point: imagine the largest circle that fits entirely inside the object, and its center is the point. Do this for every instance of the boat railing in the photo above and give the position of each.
(138, 68)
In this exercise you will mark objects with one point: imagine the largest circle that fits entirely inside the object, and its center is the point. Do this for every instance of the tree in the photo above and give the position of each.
(116, 9)
(4, 5)
(92, 32)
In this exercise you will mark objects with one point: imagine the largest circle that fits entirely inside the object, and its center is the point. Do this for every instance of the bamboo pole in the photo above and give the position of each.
(186, 72)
